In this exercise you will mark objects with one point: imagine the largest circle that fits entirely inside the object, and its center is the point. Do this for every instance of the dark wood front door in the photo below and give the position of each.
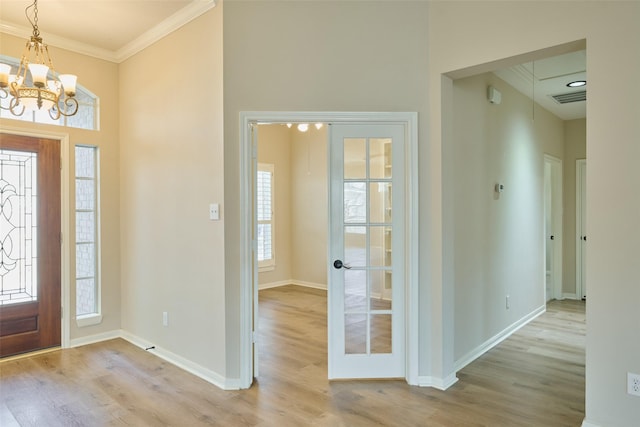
(30, 270)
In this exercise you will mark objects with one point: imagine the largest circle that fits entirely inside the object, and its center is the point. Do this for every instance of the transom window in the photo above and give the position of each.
(85, 118)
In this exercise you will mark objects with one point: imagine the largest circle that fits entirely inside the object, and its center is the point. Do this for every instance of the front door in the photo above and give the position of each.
(366, 276)
(30, 255)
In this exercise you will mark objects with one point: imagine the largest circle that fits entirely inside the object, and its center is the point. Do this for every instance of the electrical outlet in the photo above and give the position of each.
(633, 384)
(165, 318)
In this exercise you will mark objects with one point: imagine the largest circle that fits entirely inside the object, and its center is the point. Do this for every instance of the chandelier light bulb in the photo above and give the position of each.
(4, 75)
(39, 74)
(303, 127)
(69, 83)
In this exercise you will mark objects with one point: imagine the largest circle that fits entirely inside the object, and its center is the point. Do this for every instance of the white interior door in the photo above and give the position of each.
(581, 226)
(366, 321)
(553, 226)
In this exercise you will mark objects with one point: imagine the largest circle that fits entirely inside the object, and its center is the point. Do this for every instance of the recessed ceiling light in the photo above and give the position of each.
(577, 83)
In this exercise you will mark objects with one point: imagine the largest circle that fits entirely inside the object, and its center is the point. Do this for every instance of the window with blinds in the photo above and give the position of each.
(265, 235)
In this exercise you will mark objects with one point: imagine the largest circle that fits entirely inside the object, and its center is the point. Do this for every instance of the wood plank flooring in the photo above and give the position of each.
(534, 378)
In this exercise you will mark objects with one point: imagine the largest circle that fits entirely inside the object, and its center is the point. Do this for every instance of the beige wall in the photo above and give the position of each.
(300, 160)
(309, 206)
(575, 147)
(171, 170)
(280, 56)
(314, 56)
(498, 240)
(274, 147)
(101, 78)
(459, 39)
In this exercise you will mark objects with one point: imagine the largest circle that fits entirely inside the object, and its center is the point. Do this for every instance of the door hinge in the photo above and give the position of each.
(254, 337)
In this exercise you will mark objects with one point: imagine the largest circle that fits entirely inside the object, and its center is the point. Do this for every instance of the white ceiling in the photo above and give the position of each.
(550, 78)
(116, 29)
(107, 29)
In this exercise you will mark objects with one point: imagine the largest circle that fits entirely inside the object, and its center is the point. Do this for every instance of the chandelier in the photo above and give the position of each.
(35, 91)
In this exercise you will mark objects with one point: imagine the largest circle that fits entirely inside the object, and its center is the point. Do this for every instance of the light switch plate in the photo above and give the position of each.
(214, 211)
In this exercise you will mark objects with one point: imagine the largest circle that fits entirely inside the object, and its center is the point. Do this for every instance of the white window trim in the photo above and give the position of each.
(88, 319)
(270, 264)
(95, 318)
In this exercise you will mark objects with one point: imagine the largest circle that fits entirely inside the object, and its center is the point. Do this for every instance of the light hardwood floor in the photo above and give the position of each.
(534, 378)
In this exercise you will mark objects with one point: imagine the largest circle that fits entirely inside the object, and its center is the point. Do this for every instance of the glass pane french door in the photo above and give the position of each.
(366, 286)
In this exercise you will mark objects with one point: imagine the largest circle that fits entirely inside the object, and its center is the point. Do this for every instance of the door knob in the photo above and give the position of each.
(338, 264)
(552, 237)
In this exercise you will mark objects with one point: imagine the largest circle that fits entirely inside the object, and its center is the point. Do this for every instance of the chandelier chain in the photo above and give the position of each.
(34, 23)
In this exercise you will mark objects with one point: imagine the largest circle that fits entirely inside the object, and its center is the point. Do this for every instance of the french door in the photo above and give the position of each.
(30, 254)
(366, 322)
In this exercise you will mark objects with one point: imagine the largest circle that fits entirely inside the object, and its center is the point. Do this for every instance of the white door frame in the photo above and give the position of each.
(556, 215)
(64, 218)
(581, 164)
(410, 120)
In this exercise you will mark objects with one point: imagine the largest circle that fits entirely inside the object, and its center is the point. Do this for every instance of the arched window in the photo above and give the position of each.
(86, 117)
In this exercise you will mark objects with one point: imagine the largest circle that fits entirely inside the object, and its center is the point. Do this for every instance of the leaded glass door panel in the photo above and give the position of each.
(29, 244)
(366, 289)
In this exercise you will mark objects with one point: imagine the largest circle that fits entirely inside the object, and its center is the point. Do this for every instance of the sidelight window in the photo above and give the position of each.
(87, 235)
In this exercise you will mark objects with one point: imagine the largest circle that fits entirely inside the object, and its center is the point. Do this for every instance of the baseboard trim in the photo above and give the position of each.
(570, 296)
(586, 423)
(497, 339)
(436, 382)
(292, 282)
(186, 364)
(320, 286)
(179, 361)
(92, 339)
(270, 285)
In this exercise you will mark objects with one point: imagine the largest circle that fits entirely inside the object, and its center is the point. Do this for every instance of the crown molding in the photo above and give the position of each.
(60, 42)
(169, 25)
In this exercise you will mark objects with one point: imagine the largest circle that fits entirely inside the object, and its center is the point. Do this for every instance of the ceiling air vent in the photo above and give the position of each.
(566, 98)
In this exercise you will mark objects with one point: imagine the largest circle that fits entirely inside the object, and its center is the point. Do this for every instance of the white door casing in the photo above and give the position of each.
(409, 239)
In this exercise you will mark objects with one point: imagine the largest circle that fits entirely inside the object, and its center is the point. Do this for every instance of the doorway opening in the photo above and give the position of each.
(249, 269)
(292, 223)
(494, 151)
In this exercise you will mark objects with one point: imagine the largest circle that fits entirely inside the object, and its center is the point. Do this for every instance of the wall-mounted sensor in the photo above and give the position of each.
(493, 95)
(499, 188)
